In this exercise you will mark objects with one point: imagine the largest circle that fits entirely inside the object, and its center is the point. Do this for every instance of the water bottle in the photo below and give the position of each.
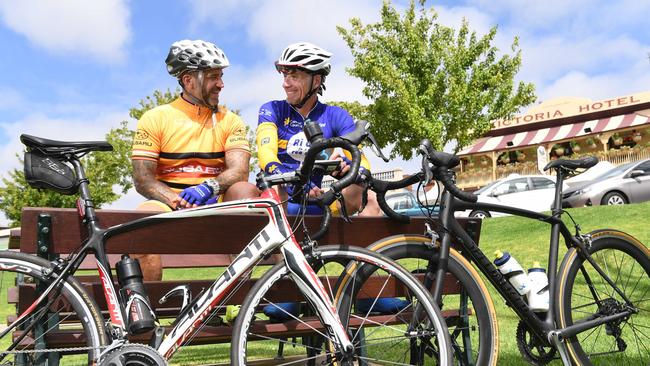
(512, 271)
(538, 297)
(140, 317)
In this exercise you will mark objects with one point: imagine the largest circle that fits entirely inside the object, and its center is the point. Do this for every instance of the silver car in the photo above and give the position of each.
(627, 183)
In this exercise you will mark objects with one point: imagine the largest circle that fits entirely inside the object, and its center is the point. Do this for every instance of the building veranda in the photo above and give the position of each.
(615, 130)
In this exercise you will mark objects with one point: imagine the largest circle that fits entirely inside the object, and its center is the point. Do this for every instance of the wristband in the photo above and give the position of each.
(214, 184)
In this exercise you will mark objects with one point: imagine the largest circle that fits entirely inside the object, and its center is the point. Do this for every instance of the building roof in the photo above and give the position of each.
(556, 133)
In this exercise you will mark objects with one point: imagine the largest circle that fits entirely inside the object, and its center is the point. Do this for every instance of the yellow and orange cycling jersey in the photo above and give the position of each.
(187, 142)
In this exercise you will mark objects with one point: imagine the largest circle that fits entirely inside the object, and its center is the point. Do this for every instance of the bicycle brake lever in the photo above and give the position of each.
(375, 147)
(344, 211)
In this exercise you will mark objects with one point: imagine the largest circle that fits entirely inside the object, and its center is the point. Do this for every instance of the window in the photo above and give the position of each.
(542, 183)
(513, 186)
(400, 202)
(645, 166)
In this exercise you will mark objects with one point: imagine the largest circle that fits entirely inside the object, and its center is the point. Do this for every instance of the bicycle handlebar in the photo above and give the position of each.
(436, 165)
(442, 164)
(300, 177)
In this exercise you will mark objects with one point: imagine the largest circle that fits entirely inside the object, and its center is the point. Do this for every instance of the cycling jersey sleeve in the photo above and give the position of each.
(236, 134)
(146, 142)
(267, 144)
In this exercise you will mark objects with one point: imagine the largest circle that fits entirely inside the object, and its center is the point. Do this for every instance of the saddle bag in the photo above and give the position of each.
(49, 173)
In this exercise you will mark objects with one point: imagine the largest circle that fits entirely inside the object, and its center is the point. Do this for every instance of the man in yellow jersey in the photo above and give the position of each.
(281, 142)
(191, 151)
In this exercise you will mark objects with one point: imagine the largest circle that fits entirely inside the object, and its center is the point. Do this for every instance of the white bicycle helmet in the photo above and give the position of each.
(307, 57)
(187, 55)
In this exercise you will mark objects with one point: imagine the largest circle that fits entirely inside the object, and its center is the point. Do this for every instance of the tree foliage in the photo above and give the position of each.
(427, 80)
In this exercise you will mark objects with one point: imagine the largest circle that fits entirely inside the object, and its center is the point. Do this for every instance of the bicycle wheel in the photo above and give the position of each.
(357, 280)
(467, 306)
(50, 324)
(583, 294)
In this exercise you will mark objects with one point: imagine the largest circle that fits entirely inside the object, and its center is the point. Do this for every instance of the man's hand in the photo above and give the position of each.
(314, 191)
(195, 196)
(344, 167)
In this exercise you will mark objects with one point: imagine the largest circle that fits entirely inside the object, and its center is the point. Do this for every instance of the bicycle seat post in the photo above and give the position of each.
(559, 182)
(84, 194)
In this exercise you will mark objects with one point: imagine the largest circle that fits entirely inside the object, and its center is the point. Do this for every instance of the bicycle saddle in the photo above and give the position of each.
(46, 144)
(584, 163)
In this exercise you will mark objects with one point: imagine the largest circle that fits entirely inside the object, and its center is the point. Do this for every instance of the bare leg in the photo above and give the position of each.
(353, 195)
(151, 264)
(240, 191)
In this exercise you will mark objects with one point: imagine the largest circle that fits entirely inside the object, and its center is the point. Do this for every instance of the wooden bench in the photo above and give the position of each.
(204, 242)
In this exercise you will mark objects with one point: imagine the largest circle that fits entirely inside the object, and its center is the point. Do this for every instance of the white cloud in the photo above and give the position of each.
(99, 29)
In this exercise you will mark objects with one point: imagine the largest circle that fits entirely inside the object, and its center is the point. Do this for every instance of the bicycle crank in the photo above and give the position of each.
(532, 348)
(133, 355)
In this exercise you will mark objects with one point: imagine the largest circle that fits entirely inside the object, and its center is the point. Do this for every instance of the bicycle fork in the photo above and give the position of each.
(310, 285)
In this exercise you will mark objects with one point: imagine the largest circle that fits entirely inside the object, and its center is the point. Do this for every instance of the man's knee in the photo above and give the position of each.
(151, 264)
(240, 191)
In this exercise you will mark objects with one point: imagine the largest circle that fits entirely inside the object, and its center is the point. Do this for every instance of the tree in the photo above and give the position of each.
(426, 80)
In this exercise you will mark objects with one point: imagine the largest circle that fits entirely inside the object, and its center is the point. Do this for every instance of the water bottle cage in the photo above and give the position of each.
(135, 296)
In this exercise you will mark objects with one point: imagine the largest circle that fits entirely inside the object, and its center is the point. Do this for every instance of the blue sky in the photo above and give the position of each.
(73, 68)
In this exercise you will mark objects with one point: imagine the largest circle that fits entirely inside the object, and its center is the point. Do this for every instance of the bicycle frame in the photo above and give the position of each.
(277, 233)
(542, 327)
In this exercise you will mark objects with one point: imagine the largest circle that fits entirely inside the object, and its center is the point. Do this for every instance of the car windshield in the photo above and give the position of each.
(485, 188)
(615, 171)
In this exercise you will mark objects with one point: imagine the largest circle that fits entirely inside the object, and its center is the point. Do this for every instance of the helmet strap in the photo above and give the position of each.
(201, 99)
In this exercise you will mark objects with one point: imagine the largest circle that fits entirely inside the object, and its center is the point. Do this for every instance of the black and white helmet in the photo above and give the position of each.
(305, 56)
(187, 55)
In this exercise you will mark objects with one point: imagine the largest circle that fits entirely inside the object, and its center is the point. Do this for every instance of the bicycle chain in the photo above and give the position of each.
(70, 349)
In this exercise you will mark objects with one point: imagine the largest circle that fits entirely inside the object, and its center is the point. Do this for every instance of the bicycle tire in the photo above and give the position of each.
(367, 335)
(71, 308)
(627, 262)
(479, 325)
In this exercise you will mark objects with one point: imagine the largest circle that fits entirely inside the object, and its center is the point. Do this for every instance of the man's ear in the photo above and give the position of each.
(317, 80)
(186, 79)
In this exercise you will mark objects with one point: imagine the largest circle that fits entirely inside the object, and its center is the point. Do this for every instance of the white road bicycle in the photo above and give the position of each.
(332, 327)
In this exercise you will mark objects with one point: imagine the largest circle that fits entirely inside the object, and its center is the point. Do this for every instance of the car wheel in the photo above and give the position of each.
(479, 214)
(614, 198)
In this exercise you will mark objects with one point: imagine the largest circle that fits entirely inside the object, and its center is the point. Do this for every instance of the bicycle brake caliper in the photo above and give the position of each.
(430, 233)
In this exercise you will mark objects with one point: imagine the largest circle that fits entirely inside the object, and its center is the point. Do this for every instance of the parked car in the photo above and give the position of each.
(405, 203)
(627, 183)
(529, 192)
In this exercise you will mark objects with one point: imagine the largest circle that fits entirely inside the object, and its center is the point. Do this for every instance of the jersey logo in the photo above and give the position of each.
(287, 121)
(297, 146)
(141, 135)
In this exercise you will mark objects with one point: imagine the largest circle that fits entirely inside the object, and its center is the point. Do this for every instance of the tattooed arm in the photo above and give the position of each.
(237, 168)
(144, 178)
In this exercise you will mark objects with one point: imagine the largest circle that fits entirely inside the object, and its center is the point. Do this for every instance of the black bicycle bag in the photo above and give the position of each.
(49, 173)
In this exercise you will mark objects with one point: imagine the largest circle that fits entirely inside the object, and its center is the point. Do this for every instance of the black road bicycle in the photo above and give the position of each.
(599, 308)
